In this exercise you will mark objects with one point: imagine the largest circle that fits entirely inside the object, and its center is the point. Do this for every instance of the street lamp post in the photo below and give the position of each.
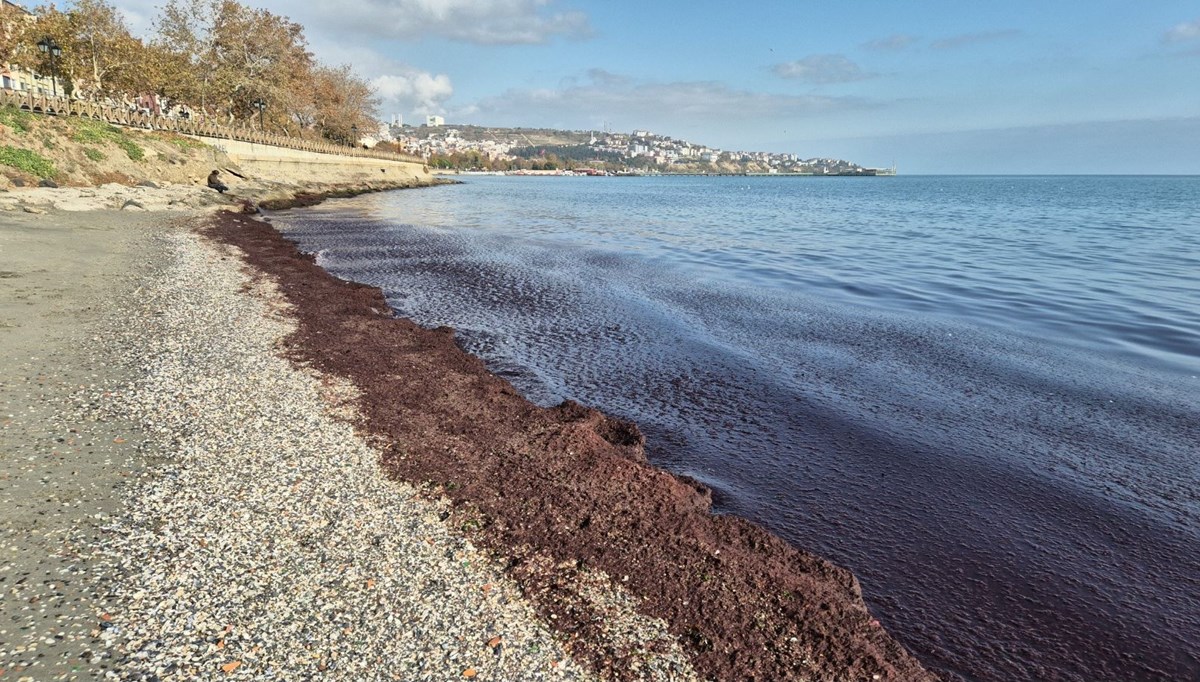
(260, 105)
(48, 46)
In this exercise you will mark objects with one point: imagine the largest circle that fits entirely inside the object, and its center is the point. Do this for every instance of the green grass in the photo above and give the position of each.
(131, 148)
(19, 121)
(26, 160)
(185, 144)
(88, 131)
(94, 154)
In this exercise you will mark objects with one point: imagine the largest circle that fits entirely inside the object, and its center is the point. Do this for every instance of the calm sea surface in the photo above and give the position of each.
(980, 394)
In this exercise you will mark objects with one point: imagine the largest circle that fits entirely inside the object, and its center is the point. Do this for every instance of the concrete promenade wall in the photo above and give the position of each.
(293, 165)
(270, 156)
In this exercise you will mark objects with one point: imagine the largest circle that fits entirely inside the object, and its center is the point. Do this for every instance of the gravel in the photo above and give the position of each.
(262, 541)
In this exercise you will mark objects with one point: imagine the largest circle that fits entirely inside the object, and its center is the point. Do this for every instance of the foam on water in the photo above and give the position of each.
(979, 394)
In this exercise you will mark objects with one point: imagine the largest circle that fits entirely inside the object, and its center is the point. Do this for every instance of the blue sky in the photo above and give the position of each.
(936, 87)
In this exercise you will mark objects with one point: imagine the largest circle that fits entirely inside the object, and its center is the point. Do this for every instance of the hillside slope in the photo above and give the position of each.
(79, 152)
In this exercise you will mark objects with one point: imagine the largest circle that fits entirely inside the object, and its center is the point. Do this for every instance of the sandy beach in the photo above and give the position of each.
(204, 481)
(61, 465)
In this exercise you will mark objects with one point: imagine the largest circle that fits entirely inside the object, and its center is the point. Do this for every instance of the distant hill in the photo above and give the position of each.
(470, 147)
(518, 137)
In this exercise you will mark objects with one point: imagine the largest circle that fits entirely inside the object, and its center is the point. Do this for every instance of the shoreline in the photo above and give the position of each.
(623, 563)
(200, 508)
(564, 496)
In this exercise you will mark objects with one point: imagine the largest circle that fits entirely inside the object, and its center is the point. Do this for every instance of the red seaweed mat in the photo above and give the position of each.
(557, 491)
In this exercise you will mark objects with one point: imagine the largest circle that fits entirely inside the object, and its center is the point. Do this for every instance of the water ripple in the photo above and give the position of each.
(980, 394)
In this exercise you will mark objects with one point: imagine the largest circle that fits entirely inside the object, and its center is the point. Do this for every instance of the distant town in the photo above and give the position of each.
(546, 151)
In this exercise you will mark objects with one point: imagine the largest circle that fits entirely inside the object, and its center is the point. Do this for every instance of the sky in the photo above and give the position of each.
(938, 86)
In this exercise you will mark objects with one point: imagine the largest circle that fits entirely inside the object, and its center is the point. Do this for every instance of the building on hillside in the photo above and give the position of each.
(435, 121)
(13, 76)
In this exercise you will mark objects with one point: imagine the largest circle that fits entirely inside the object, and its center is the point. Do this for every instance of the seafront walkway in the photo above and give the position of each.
(123, 116)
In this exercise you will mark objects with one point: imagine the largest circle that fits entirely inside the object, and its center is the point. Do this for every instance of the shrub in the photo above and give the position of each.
(26, 160)
(88, 131)
(20, 121)
(184, 143)
(94, 154)
(131, 148)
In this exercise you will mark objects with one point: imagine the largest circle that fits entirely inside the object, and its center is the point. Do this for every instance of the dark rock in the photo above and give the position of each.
(47, 182)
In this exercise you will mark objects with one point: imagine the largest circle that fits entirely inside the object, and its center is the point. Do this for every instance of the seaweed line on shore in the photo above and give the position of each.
(565, 499)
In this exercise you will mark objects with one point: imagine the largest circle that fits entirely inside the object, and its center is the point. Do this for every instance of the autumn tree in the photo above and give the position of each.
(261, 56)
(99, 54)
(221, 56)
(103, 55)
(237, 55)
(338, 102)
(14, 22)
(25, 31)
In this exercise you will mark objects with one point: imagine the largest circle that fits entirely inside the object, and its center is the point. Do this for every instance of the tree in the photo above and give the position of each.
(233, 56)
(259, 55)
(337, 102)
(219, 56)
(13, 25)
(187, 32)
(101, 53)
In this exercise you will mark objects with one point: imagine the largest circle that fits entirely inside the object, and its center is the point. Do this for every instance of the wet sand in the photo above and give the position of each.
(60, 469)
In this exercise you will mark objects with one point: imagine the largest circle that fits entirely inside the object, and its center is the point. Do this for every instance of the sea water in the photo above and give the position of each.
(980, 394)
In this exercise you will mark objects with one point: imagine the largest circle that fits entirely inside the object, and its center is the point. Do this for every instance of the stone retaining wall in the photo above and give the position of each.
(46, 104)
(280, 164)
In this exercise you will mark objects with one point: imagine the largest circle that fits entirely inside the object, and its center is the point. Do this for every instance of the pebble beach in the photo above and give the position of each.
(247, 533)
(192, 493)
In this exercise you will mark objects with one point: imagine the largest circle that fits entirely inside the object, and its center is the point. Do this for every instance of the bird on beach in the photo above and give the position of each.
(214, 181)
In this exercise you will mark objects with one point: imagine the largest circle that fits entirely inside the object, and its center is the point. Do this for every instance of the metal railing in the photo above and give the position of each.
(65, 106)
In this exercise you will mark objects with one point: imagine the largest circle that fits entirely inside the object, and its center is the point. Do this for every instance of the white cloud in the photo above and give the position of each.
(487, 22)
(415, 91)
(892, 43)
(822, 69)
(1184, 32)
(601, 97)
(404, 88)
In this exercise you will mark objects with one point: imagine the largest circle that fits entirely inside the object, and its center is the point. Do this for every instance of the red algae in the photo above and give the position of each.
(556, 491)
